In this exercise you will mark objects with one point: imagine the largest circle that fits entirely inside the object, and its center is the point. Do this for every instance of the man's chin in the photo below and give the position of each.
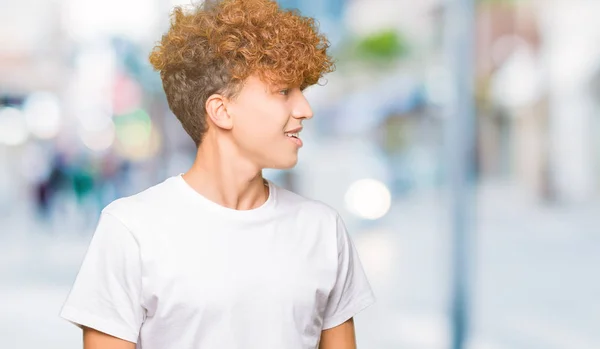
(285, 165)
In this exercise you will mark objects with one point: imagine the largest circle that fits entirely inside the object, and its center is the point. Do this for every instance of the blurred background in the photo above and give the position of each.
(503, 242)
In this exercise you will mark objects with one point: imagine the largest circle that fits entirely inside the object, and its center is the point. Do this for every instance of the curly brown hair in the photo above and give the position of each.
(216, 46)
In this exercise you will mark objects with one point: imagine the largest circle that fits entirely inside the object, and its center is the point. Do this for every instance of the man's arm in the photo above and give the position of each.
(339, 337)
(93, 339)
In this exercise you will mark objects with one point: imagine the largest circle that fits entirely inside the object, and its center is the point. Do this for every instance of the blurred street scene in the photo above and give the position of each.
(83, 121)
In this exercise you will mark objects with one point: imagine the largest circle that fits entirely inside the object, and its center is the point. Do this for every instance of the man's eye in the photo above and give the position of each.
(285, 92)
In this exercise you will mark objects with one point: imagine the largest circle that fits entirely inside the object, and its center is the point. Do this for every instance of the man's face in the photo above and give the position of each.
(266, 122)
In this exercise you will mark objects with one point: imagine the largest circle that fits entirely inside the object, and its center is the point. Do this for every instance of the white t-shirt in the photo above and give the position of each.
(168, 268)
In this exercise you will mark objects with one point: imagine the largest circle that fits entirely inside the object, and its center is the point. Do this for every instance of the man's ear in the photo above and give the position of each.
(216, 111)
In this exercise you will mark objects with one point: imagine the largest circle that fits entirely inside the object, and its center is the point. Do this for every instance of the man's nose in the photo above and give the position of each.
(302, 109)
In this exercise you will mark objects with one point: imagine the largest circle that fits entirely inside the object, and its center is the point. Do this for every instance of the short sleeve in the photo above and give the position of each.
(106, 295)
(352, 292)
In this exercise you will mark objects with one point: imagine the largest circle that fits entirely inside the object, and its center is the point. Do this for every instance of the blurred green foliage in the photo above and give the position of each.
(384, 45)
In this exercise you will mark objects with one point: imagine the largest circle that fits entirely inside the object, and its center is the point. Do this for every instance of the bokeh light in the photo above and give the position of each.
(136, 137)
(368, 199)
(43, 115)
(95, 119)
(13, 128)
(98, 139)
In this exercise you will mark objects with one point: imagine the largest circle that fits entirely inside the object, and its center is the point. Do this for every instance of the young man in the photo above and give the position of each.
(219, 257)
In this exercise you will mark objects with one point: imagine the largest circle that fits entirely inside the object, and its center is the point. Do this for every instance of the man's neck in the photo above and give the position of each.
(223, 176)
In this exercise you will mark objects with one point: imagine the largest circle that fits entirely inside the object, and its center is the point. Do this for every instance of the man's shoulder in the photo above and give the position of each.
(312, 207)
(143, 203)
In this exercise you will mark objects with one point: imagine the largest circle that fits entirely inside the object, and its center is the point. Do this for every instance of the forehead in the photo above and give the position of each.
(254, 87)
